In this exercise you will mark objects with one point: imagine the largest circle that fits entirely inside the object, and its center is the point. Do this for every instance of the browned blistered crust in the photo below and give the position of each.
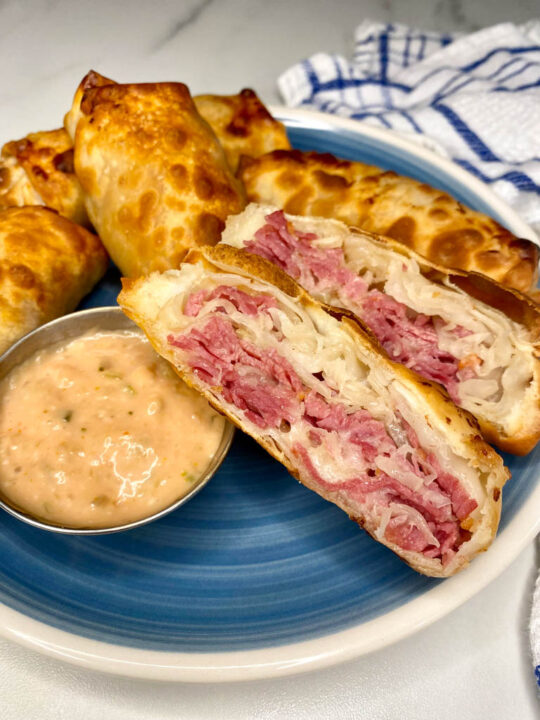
(47, 265)
(91, 80)
(426, 219)
(38, 170)
(458, 426)
(155, 178)
(242, 124)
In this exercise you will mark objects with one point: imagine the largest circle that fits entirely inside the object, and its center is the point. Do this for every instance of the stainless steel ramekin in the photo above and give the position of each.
(66, 328)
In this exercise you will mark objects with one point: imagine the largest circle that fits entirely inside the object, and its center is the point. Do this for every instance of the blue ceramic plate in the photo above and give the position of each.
(256, 576)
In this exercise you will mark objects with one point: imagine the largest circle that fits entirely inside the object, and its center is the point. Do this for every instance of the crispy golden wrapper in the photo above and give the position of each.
(38, 170)
(155, 178)
(242, 124)
(47, 265)
(427, 220)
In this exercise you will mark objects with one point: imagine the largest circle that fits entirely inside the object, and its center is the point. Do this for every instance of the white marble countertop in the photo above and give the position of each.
(474, 662)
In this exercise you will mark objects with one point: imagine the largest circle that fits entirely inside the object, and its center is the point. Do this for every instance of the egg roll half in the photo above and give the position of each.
(425, 219)
(478, 339)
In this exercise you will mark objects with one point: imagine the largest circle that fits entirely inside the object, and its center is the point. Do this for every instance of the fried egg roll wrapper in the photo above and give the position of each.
(47, 265)
(423, 218)
(38, 170)
(477, 338)
(155, 179)
(313, 387)
(242, 124)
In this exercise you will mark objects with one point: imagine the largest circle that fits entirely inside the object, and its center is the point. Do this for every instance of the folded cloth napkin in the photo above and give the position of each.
(476, 96)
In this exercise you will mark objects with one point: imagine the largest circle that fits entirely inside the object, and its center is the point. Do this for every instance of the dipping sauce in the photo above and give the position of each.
(99, 431)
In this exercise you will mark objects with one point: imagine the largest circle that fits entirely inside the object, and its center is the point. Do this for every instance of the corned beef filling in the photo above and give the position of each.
(410, 339)
(420, 504)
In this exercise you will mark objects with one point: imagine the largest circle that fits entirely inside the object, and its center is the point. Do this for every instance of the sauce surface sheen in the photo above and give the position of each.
(99, 432)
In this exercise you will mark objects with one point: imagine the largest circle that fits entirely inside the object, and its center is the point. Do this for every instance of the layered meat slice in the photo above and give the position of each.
(409, 337)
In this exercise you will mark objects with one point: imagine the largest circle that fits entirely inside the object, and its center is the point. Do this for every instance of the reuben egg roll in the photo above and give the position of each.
(38, 170)
(425, 219)
(242, 124)
(47, 265)
(155, 179)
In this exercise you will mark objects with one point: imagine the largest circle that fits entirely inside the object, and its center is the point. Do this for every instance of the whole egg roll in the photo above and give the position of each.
(47, 265)
(242, 124)
(38, 170)
(425, 219)
(155, 178)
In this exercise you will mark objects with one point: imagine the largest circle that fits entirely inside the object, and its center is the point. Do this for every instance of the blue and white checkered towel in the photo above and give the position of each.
(476, 98)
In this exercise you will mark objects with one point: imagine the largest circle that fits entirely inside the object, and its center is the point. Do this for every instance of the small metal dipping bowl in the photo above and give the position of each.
(67, 328)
